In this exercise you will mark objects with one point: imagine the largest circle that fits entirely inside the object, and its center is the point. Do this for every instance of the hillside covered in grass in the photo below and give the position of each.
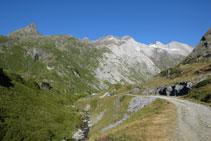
(39, 58)
(29, 113)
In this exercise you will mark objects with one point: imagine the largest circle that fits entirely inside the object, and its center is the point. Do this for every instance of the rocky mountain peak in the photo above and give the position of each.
(158, 43)
(104, 41)
(114, 40)
(202, 50)
(30, 30)
(110, 37)
(126, 38)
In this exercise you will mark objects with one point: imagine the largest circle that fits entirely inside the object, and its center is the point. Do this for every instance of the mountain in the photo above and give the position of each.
(130, 61)
(68, 64)
(202, 50)
(30, 30)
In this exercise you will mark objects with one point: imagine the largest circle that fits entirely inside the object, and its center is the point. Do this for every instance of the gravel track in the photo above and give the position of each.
(194, 120)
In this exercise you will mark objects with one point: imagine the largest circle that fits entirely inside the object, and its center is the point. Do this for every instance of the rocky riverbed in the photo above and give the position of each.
(82, 133)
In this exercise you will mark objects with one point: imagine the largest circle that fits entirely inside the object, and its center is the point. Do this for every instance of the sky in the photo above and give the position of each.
(146, 21)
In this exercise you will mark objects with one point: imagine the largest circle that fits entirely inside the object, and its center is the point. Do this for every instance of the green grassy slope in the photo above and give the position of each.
(138, 127)
(27, 113)
(63, 61)
(201, 92)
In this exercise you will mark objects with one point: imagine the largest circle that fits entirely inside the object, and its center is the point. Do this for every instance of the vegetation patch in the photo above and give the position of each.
(171, 73)
(201, 94)
(27, 113)
(203, 83)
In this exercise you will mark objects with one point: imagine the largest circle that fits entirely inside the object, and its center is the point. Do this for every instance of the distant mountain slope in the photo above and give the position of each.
(131, 61)
(66, 63)
(74, 65)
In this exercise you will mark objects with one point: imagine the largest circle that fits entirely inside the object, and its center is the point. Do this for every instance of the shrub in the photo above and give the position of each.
(203, 83)
(172, 72)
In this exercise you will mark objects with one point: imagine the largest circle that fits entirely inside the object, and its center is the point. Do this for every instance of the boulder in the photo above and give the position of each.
(134, 90)
(45, 86)
(36, 85)
(76, 73)
(175, 90)
(36, 57)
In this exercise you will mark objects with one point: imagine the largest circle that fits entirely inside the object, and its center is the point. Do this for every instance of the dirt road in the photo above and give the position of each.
(194, 120)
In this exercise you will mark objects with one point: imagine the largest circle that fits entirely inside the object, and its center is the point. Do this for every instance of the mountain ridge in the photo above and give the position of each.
(120, 59)
(30, 30)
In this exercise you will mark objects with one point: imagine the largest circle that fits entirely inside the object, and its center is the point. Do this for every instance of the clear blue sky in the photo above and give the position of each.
(146, 21)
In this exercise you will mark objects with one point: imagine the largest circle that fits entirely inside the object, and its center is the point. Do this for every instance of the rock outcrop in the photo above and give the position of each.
(45, 86)
(134, 90)
(30, 30)
(202, 50)
(175, 90)
(136, 104)
(139, 102)
(4, 79)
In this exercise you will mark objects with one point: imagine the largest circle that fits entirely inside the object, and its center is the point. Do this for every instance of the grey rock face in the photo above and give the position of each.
(175, 90)
(132, 62)
(125, 117)
(136, 104)
(139, 102)
(39, 53)
(148, 91)
(96, 119)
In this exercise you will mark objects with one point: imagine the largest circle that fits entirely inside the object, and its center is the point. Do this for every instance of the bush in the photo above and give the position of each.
(207, 98)
(117, 86)
(175, 71)
(172, 72)
(122, 97)
(203, 83)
